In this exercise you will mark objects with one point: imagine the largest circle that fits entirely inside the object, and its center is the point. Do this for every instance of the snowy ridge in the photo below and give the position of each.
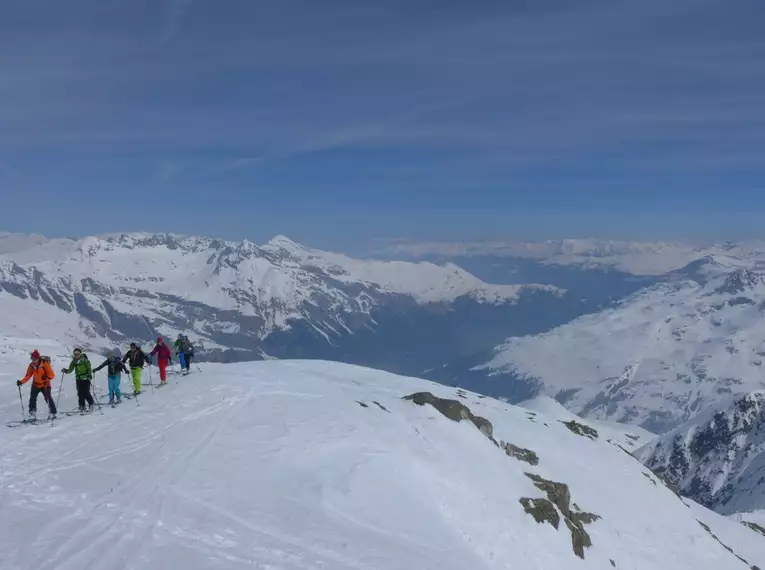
(205, 268)
(718, 458)
(660, 356)
(426, 282)
(296, 465)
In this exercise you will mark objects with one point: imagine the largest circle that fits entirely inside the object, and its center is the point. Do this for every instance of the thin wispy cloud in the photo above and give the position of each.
(358, 100)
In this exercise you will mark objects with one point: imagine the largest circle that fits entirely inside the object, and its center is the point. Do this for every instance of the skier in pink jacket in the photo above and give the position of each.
(163, 358)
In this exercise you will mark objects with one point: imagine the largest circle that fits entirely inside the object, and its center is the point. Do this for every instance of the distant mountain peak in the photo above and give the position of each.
(741, 280)
(283, 242)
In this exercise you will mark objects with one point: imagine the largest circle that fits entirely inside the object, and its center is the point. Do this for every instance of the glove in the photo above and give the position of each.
(63, 371)
(18, 382)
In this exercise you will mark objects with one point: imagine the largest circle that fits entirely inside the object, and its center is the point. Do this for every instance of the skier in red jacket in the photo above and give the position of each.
(163, 357)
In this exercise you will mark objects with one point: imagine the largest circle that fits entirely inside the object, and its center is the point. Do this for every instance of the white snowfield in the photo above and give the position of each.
(757, 517)
(291, 465)
(630, 437)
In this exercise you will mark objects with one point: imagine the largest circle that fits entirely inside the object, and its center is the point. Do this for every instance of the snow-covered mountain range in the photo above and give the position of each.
(295, 465)
(660, 356)
(242, 301)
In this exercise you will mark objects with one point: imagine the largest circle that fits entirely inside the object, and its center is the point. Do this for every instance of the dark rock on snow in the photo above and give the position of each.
(581, 429)
(520, 453)
(454, 410)
(559, 495)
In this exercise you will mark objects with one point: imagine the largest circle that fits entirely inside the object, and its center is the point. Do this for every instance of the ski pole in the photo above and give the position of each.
(61, 385)
(151, 376)
(135, 392)
(21, 401)
(93, 386)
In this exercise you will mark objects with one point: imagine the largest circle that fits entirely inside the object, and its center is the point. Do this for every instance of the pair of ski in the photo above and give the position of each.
(34, 421)
(123, 396)
(81, 412)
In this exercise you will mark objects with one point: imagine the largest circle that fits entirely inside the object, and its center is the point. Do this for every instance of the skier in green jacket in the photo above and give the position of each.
(83, 375)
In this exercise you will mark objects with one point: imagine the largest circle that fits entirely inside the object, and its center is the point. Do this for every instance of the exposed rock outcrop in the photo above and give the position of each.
(454, 410)
(520, 453)
(559, 501)
(581, 429)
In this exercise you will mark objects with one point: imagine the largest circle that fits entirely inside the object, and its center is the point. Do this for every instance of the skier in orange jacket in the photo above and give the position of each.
(42, 372)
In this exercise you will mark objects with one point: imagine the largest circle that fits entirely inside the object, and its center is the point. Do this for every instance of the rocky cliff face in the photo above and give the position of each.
(718, 459)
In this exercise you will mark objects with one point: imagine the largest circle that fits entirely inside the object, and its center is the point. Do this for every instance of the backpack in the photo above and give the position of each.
(187, 347)
(44, 359)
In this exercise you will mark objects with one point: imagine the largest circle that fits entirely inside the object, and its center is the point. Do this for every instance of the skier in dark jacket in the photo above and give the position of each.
(187, 350)
(179, 351)
(83, 375)
(115, 369)
(137, 359)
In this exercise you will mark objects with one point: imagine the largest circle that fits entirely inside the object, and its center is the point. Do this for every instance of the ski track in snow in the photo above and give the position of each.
(100, 538)
(166, 484)
(275, 465)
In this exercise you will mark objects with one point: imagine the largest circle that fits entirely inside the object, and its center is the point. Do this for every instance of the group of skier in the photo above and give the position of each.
(41, 372)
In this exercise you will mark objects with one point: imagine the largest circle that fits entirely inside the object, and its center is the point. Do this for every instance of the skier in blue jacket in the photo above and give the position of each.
(115, 369)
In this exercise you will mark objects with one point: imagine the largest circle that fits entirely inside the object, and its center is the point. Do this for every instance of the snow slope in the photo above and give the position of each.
(627, 436)
(727, 531)
(754, 517)
(661, 355)
(305, 465)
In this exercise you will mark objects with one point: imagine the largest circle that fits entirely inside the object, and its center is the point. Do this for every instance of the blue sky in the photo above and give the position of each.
(340, 121)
